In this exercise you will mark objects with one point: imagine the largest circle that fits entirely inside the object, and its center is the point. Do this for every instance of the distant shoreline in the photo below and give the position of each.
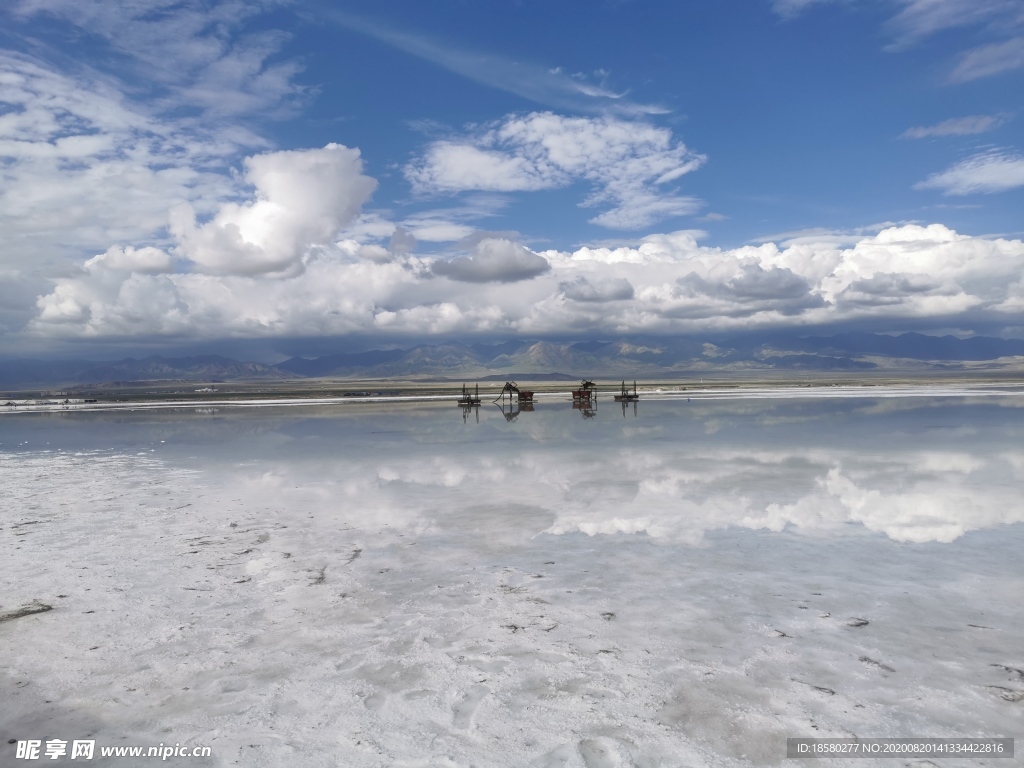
(410, 393)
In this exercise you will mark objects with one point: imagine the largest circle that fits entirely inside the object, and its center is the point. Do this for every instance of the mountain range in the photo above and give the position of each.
(652, 357)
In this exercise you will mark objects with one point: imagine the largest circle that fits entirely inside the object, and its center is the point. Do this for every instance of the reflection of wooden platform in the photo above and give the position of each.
(585, 407)
(519, 400)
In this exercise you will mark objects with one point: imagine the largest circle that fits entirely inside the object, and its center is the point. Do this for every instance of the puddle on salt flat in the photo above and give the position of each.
(679, 583)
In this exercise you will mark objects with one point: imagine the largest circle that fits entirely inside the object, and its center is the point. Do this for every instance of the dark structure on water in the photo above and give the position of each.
(586, 392)
(584, 399)
(468, 399)
(625, 396)
(521, 396)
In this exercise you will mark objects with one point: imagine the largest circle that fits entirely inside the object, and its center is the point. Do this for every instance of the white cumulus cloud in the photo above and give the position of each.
(494, 260)
(611, 289)
(146, 260)
(303, 198)
(629, 165)
(667, 283)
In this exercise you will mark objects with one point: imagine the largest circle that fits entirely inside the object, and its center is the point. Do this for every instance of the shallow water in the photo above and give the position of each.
(683, 583)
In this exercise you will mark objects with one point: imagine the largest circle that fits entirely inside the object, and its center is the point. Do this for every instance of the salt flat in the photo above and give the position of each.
(685, 584)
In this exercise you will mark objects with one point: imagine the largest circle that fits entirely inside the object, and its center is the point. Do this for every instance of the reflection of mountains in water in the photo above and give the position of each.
(194, 426)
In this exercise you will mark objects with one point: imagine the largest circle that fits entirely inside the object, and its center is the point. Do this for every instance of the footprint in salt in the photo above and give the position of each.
(465, 709)
(602, 753)
(375, 700)
(559, 757)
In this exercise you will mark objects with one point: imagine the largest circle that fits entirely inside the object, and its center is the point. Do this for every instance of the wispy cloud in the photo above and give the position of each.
(114, 112)
(455, 224)
(957, 126)
(459, 224)
(552, 87)
(987, 172)
(60, 135)
(992, 59)
(920, 19)
(195, 55)
(917, 20)
(826, 236)
(791, 8)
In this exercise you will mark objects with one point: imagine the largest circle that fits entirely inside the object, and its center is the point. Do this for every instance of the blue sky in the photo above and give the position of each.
(801, 117)
(181, 173)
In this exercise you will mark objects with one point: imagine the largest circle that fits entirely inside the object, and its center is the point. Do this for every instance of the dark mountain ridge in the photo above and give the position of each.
(639, 356)
(31, 373)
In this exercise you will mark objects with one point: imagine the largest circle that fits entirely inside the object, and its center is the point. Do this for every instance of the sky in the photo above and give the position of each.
(279, 176)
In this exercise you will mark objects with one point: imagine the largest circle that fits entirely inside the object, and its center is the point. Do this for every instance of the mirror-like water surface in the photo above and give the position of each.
(671, 584)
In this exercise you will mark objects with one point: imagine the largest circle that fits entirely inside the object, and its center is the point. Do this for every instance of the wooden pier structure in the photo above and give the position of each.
(521, 396)
(587, 391)
(625, 396)
(468, 400)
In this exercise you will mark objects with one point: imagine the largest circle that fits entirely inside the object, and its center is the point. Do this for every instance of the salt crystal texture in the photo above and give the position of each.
(371, 586)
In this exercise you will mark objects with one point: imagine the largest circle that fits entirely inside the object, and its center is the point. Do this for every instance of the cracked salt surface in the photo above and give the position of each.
(371, 587)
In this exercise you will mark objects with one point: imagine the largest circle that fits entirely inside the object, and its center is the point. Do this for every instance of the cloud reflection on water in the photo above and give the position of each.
(796, 473)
